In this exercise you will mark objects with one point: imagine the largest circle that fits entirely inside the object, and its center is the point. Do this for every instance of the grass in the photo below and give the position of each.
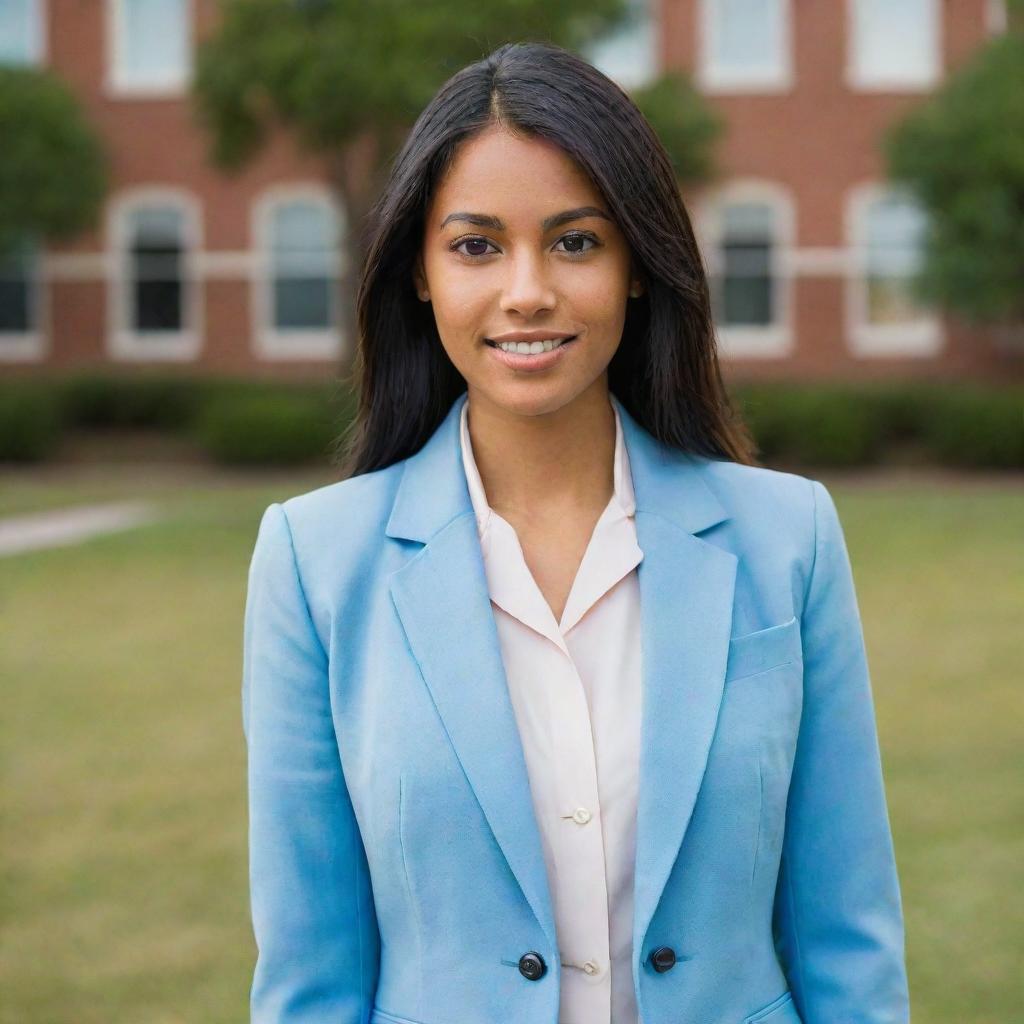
(124, 892)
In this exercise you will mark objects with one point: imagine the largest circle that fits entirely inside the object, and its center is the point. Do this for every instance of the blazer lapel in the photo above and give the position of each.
(686, 598)
(442, 600)
(686, 589)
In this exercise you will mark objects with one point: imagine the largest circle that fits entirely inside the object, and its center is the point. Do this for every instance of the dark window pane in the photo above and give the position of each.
(745, 291)
(16, 272)
(303, 241)
(747, 296)
(157, 286)
(302, 303)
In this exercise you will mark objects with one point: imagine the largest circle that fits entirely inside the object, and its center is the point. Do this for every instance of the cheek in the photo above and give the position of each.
(601, 303)
(459, 312)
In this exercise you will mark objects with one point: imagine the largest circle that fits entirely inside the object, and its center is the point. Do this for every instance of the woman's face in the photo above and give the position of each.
(518, 240)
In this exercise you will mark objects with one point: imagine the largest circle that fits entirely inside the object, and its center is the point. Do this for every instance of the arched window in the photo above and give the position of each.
(298, 230)
(18, 280)
(889, 229)
(744, 292)
(21, 336)
(747, 229)
(157, 281)
(154, 299)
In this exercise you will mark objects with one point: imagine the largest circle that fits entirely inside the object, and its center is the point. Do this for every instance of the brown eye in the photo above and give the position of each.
(578, 238)
(457, 246)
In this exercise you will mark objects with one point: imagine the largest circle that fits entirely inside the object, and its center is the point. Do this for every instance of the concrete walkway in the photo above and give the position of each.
(65, 526)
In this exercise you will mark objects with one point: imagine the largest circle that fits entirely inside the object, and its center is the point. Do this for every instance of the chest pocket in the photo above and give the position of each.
(754, 653)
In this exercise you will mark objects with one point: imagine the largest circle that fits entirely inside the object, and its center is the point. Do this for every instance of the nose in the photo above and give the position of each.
(527, 289)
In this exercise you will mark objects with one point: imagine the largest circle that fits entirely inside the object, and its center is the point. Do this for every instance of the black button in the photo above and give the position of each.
(663, 959)
(532, 966)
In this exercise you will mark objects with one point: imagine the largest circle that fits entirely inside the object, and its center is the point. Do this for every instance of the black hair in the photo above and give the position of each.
(665, 370)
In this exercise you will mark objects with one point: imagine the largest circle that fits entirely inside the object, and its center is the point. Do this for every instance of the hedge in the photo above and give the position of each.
(250, 422)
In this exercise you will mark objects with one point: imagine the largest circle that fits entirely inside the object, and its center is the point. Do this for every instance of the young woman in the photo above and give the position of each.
(557, 707)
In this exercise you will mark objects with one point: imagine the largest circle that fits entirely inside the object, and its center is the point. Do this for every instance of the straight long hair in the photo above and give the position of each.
(665, 370)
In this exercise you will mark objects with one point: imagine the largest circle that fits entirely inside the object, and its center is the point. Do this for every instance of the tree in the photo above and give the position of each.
(685, 123)
(350, 77)
(962, 154)
(53, 168)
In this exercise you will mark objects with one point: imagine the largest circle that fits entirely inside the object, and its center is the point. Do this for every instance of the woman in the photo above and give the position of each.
(557, 707)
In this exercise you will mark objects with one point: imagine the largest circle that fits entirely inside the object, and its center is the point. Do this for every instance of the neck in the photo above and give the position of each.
(546, 465)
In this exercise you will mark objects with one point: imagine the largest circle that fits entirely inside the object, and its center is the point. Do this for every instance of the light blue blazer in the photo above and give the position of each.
(396, 868)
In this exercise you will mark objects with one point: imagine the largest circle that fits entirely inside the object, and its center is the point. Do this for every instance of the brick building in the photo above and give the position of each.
(808, 248)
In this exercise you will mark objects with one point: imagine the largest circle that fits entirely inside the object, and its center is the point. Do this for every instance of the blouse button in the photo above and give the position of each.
(581, 815)
(590, 967)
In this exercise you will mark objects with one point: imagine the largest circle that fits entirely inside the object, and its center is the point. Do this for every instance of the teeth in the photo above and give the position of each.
(531, 347)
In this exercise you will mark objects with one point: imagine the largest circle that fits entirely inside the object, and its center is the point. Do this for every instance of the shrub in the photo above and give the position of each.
(813, 424)
(132, 400)
(971, 426)
(30, 423)
(267, 428)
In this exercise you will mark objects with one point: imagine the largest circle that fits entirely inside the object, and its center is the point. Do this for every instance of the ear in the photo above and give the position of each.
(419, 280)
(636, 284)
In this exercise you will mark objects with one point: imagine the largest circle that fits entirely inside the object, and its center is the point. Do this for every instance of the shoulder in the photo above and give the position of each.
(327, 526)
(350, 505)
(762, 493)
(782, 516)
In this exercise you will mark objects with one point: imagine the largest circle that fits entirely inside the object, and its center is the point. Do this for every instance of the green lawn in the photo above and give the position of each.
(123, 798)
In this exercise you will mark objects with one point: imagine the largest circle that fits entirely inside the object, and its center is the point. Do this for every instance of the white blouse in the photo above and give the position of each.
(575, 690)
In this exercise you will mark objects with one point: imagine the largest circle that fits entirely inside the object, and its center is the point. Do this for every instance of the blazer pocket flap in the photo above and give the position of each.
(767, 648)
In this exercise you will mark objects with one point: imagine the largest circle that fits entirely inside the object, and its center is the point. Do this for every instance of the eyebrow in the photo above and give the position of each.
(484, 220)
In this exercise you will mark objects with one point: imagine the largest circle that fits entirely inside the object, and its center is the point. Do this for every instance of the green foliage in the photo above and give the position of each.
(858, 424)
(30, 423)
(684, 121)
(334, 69)
(135, 400)
(268, 421)
(53, 167)
(267, 429)
(962, 154)
(972, 426)
(813, 425)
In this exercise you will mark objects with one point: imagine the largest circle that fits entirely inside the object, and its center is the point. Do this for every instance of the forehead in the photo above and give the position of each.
(518, 178)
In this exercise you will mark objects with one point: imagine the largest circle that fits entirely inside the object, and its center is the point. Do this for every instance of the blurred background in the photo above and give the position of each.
(183, 186)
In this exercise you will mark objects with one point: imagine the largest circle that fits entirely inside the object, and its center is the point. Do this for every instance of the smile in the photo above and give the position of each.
(529, 347)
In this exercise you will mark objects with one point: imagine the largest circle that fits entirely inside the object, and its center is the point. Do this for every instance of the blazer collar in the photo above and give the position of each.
(433, 489)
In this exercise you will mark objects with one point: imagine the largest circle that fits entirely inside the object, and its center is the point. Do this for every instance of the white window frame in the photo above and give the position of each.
(121, 86)
(32, 345)
(269, 342)
(40, 31)
(772, 341)
(124, 343)
(636, 77)
(857, 78)
(923, 338)
(717, 80)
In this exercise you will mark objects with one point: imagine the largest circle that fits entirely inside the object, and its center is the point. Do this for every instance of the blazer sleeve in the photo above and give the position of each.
(312, 915)
(837, 919)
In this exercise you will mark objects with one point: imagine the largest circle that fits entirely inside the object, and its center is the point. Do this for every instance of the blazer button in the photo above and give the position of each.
(532, 966)
(663, 959)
